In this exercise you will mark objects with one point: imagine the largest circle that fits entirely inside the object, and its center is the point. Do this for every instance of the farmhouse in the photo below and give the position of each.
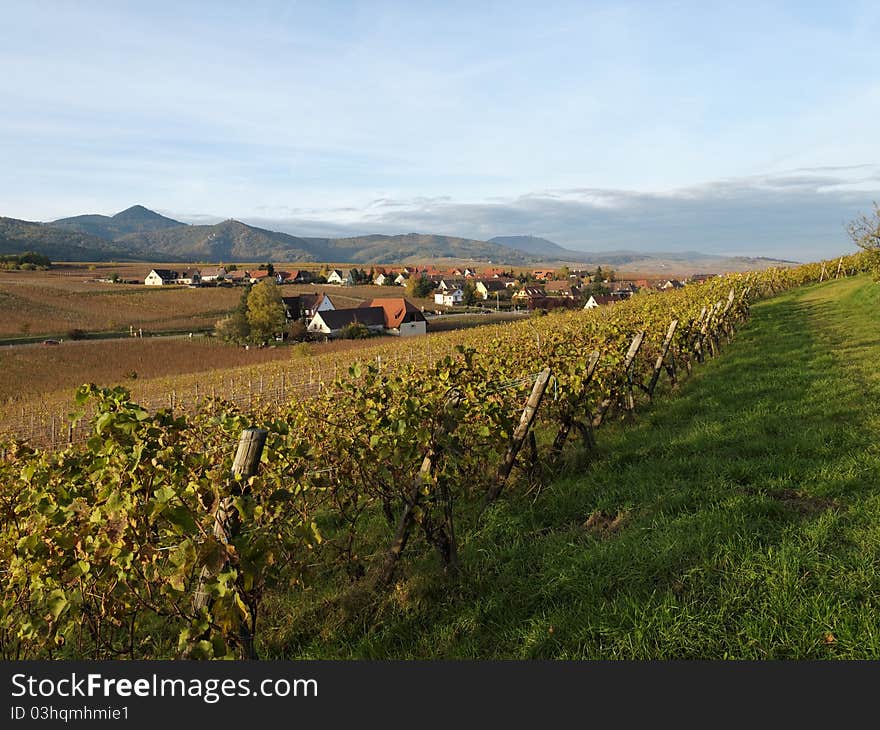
(450, 297)
(402, 317)
(213, 274)
(235, 277)
(527, 293)
(335, 277)
(331, 321)
(561, 289)
(489, 287)
(449, 283)
(257, 276)
(300, 276)
(161, 277)
(311, 304)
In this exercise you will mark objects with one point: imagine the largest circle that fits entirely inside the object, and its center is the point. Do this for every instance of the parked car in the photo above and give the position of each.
(51, 342)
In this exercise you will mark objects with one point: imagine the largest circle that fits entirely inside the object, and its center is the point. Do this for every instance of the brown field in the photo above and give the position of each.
(70, 297)
(54, 302)
(27, 370)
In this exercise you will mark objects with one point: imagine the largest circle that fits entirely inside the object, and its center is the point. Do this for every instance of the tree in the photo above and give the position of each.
(355, 331)
(270, 268)
(865, 233)
(235, 327)
(469, 294)
(419, 286)
(265, 311)
(562, 273)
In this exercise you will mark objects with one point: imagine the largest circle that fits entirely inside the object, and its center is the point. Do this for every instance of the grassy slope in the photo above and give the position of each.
(750, 526)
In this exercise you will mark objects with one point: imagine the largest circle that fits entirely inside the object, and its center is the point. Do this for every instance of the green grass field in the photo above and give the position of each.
(739, 517)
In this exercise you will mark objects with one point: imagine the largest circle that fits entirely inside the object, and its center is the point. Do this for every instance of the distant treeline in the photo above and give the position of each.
(29, 260)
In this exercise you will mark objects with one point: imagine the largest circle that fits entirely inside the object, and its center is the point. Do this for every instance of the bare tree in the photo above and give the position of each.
(865, 233)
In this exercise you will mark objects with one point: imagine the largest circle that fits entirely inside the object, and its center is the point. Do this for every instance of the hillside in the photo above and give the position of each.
(136, 219)
(418, 247)
(57, 243)
(535, 245)
(228, 241)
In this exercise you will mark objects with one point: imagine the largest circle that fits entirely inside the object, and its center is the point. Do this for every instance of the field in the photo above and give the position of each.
(740, 519)
(51, 303)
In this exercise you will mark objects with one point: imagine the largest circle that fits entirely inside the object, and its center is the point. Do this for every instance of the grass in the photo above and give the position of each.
(738, 518)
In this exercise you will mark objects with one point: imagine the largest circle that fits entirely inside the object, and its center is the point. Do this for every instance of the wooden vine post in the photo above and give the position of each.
(661, 358)
(519, 435)
(605, 405)
(226, 526)
(568, 421)
(693, 338)
(408, 516)
(712, 333)
(839, 267)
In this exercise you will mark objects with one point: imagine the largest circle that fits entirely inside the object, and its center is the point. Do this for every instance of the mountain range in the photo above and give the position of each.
(140, 234)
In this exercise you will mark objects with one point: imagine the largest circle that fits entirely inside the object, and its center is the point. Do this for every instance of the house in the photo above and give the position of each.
(402, 317)
(301, 276)
(160, 277)
(489, 287)
(600, 301)
(700, 278)
(448, 283)
(526, 293)
(545, 274)
(561, 289)
(255, 277)
(670, 284)
(400, 279)
(217, 274)
(449, 297)
(190, 277)
(330, 322)
(311, 304)
(380, 280)
(622, 289)
(335, 277)
(236, 277)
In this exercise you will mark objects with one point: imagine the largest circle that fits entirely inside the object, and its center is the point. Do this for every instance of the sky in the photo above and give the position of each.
(730, 128)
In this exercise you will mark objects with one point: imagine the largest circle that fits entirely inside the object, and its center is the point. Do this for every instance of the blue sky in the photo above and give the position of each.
(720, 127)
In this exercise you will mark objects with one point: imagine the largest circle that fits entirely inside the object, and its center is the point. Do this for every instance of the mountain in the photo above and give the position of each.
(534, 245)
(140, 234)
(228, 241)
(59, 244)
(136, 219)
(417, 248)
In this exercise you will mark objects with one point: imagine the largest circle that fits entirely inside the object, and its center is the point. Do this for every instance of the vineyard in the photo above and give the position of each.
(150, 535)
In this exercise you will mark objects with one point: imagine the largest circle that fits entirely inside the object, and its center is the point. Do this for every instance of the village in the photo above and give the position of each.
(456, 290)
